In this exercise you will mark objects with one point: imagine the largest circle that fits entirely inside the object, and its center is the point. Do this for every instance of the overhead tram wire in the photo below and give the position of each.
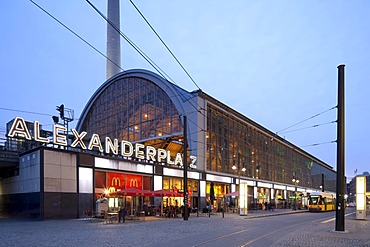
(173, 55)
(316, 115)
(313, 126)
(317, 144)
(29, 112)
(78, 36)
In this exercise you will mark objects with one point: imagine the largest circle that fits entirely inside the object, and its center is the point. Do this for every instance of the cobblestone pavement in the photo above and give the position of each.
(322, 233)
(154, 231)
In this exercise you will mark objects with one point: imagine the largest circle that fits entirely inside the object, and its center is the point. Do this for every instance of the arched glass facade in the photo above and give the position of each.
(132, 109)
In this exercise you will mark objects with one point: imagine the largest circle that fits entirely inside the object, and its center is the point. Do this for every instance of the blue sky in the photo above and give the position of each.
(273, 61)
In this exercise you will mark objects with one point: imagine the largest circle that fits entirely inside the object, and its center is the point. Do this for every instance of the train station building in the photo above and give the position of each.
(131, 135)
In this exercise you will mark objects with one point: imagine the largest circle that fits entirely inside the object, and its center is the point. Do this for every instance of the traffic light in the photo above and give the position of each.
(61, 110)
(55, 119)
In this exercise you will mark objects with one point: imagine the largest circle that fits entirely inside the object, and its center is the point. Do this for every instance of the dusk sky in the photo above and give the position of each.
(273, 61)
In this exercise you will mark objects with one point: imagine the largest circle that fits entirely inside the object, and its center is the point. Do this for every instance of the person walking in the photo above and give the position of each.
(122, 214)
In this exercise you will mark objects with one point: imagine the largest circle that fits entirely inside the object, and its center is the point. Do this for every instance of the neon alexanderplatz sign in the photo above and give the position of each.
(124, 148)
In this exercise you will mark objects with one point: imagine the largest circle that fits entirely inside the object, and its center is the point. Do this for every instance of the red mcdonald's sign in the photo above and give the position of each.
(122, 181)
(116, 180)
(134, 181)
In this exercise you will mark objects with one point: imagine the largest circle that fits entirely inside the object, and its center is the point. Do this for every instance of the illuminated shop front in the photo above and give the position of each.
(108, 184)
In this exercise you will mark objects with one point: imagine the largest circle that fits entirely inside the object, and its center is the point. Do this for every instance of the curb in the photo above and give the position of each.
(275, 214)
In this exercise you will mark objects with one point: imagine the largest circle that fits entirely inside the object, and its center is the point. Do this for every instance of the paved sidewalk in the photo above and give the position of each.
(323, 234)
(152, 231)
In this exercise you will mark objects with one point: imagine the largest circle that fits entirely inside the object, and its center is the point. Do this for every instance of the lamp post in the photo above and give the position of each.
(243, 169)
(255, 191)
(295, 180)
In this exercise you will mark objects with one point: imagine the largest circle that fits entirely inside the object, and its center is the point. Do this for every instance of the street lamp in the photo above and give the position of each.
(234, 167)
(243, 169)
(295, 180)
(255, 189)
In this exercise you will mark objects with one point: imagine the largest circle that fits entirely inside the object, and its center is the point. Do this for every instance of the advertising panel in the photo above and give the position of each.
(360, 197)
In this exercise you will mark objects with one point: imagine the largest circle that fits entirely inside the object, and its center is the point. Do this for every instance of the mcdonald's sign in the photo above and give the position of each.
(112, 190)
(116, 182)
(134, 181)
(121, 181)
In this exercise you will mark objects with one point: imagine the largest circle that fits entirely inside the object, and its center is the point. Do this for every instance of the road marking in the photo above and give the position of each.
(329, 220)
(224, 236)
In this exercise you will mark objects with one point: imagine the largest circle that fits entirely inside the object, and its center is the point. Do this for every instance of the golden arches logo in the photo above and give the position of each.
(134, 183)
(116, 181)
(112, 190)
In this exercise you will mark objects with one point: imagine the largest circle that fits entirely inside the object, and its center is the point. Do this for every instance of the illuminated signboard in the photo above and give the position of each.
(361, 197)
(243, 199)
(122, 147)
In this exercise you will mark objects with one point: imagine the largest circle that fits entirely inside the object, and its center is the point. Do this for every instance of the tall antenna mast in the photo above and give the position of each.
(113, 39)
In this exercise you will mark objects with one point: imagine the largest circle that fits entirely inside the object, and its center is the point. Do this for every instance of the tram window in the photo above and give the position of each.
(314, 200)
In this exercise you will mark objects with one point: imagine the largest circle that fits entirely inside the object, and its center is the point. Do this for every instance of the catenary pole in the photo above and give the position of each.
(185, 164)
(340, 204)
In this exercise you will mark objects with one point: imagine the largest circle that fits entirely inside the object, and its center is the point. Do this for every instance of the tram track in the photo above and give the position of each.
(224, 236)
(267, 234)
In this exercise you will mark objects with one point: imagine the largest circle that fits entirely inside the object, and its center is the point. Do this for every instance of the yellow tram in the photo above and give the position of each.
(321, 202)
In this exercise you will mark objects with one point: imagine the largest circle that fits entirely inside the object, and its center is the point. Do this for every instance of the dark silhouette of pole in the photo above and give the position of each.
(339, 216)
(185, 164)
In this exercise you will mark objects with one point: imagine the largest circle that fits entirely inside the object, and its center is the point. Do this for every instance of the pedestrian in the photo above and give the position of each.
(122, 214)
